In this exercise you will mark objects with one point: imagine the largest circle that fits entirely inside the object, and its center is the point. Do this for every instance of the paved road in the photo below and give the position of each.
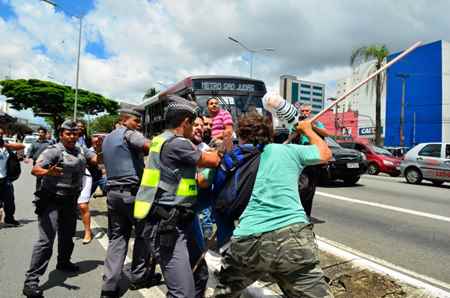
(407, 225)
(15, 254)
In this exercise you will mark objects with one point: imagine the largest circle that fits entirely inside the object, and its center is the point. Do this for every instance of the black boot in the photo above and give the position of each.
(153, 280)
(109, 294)
(32, 291)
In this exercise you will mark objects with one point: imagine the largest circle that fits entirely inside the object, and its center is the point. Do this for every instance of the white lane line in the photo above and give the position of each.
(151, 292)
(383, 206)
(432, 286)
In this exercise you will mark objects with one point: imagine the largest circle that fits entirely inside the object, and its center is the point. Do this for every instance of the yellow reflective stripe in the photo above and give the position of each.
(150, 177)
(141, 209)
(187, 187)
(156, 144)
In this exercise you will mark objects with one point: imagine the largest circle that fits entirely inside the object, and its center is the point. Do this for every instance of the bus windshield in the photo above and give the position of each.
(238, 95)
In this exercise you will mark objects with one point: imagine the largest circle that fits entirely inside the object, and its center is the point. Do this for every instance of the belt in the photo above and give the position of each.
(131, 188)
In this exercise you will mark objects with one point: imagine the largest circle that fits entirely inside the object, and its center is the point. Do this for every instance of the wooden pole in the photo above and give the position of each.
(386, 66)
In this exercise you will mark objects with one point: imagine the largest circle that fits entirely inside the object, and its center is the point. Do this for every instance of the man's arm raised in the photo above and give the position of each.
(306, 128)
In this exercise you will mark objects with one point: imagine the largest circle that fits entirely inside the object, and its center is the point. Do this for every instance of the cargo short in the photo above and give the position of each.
(290, 255)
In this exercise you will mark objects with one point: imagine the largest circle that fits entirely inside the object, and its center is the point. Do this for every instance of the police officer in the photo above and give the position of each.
(61, 167)
(123, 156)
(37, 148)
(167, 196)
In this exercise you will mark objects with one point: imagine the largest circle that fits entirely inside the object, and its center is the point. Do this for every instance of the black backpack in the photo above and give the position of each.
(13, 168)
(234, 180)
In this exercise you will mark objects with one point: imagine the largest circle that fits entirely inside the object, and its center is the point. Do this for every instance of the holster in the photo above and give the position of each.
(42, 200)
(169, 218)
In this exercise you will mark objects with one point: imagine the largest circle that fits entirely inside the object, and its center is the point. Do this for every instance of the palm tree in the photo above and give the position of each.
(379, 54)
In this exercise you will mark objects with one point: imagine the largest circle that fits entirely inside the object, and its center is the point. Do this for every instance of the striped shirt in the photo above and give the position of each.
(219, 121)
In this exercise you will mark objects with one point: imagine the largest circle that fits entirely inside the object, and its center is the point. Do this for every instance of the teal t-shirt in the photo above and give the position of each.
(304, 140)
(275, 201)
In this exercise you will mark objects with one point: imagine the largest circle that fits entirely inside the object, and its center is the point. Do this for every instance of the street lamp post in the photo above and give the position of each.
(403, 77)
(251, 51)
(80, 18)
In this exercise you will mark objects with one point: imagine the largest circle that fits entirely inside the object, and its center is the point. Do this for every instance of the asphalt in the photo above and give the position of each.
(16, 246)
(414, 234)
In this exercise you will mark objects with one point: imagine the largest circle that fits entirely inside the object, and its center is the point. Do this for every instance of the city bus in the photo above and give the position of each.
(238, 95)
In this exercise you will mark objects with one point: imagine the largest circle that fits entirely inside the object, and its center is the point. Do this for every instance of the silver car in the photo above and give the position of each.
(429, 161)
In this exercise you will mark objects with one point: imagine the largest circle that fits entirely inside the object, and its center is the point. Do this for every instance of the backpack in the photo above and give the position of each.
(13, 169)
(234, 180)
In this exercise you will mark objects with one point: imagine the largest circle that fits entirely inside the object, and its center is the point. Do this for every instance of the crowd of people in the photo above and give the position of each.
(168, 200)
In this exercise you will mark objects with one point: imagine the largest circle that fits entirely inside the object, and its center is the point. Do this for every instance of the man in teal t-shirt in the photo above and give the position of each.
(274, 235)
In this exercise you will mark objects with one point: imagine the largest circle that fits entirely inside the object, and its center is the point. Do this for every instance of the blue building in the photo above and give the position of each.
(426, 73)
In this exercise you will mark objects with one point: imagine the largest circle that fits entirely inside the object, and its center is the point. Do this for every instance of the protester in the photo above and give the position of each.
(61, 167)
(6, 187)
(222, 122)
(83, 139)
(274, 235)
(123, 156)
(50, 138)
(207, 128)
(167, 197)
(310, 176)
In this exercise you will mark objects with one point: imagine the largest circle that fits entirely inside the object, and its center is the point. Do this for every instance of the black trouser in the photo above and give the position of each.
(178, 253)
(7, 198)
(57, 216)
(120, 224)
(307, 186)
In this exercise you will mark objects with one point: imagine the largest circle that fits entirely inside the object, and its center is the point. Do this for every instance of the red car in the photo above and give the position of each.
(380, 159)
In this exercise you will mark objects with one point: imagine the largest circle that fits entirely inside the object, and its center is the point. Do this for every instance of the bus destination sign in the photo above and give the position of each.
(227, 86)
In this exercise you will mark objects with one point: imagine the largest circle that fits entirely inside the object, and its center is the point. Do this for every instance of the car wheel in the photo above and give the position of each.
(350, 181)
(437, 182)
(394, 174)
(413, 176)
(373, 169)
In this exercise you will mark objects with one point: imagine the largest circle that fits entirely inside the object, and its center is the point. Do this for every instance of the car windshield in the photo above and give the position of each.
(380, 150)
(29, 139)
(332, 143)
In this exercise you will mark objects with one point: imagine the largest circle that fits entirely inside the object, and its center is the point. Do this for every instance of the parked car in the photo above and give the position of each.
(27, 141)
(429, 161)
(379, 159)
(397, 151)
(347, 164)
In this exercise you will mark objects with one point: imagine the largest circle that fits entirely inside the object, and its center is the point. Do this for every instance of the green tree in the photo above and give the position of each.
(53, 101)
(104, 123)
(379, 54)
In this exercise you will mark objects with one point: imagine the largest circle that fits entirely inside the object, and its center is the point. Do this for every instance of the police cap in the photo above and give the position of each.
(69, 125)
(130, 112)
(178, 104)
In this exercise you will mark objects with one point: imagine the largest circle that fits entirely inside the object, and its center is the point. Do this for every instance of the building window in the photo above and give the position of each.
(317, 93)
(317, 88)
(317, 100)
(294, 92)
(305, 98)
(305, 86)
(317, 106)
(305, 92)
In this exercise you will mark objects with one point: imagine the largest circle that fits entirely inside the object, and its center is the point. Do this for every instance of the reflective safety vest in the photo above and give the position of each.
(179, 185)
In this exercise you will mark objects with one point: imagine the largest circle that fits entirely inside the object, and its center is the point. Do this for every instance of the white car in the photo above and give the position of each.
(429, 161)
(27, 141)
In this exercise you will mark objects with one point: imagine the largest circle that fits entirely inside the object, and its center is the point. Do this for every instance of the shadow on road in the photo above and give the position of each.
(338, 184)
(96, 232)
(428, 184)
(58, 278)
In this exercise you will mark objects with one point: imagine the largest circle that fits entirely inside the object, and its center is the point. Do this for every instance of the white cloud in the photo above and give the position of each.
(151, 41)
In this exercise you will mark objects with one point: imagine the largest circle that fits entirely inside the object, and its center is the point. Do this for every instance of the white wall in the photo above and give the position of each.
(362, 100)
(445, 91)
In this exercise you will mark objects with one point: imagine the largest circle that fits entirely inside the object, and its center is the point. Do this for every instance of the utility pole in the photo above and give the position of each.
(403, 77)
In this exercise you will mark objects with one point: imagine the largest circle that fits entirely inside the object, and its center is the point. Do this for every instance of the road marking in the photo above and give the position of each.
(432, 286)
(383, 206)
(150, 292)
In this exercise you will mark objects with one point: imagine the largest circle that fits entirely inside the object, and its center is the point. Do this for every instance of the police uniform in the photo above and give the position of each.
(56, 208)
(35, 150)
(123, 157)
(165, 201)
